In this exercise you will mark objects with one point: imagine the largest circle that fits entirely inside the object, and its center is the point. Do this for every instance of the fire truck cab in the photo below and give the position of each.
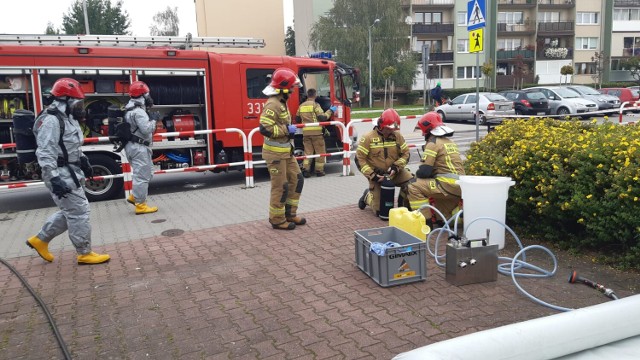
(192, 90)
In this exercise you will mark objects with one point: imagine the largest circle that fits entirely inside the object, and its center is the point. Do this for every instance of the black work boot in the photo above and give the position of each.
(298, 220)
(306, 173)
(320, 173)
(284, 226)
(362, 203)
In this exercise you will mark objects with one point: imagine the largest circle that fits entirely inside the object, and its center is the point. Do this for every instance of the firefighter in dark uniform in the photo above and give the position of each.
(313, 136)
(277, 151)
(439, 169)
(383, 152)
(64, 168)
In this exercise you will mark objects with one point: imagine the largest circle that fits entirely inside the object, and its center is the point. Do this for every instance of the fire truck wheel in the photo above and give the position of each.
(103, 189)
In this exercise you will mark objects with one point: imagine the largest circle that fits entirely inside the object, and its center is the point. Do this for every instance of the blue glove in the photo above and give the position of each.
(292, 129)
(59, 187)
(333, 109)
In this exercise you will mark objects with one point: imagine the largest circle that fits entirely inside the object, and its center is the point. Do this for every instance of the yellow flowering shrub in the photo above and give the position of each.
(576, 182)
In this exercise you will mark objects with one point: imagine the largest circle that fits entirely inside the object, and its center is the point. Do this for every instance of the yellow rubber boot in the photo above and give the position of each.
(131, 200)
(143, 208)
(93, 258)
(41, 247)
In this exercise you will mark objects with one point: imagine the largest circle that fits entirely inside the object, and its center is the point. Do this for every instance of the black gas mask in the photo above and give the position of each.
(148, 101)
(75, 108)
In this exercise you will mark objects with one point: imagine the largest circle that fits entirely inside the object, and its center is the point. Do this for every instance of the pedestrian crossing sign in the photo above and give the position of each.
(476, 39)
(475, 14)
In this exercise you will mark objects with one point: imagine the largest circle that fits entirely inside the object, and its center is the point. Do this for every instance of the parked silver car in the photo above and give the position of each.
(463, 107)
(564, 101)
(604, 101)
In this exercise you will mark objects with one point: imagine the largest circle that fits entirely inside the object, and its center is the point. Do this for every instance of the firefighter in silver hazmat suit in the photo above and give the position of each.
(64, 169)
(138, 151)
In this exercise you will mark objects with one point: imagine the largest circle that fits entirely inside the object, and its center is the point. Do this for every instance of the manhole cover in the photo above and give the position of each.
(158, 221)
(172, 232)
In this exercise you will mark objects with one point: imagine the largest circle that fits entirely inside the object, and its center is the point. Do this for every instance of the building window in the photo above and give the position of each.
(427, 18)
(549, 16)
(587, 18)
(462, 18)
(626, 14)
(466, 72)
(631, 46)
(585, 68)
(463, 45)
(435, 45)
(509, 44)
(510, 17)
(586, 43)
(616, 64)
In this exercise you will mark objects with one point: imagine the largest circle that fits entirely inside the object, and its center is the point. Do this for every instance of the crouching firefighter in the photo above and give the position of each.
(64, 169)
(277, 151)
(439, 169)
(138, 145)
(381, 156)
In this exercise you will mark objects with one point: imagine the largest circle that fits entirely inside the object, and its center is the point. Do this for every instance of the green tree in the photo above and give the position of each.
(290, 41)
(633, 65)
(104, 18)
(600, 61)
(345, 28)
(487, 70)
(51, 30)
(567, 71)
(166, 23)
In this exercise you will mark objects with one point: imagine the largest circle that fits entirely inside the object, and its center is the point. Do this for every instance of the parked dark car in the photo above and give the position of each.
(528, 102)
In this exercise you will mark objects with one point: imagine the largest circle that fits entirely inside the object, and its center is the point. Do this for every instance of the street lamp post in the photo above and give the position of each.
(370, 89)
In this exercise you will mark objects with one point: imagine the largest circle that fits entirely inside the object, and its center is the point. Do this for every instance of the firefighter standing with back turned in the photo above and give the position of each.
(439, 169)
(313, 136)
(277, 151)
(64, 168)
(383, 152)
(137, 149)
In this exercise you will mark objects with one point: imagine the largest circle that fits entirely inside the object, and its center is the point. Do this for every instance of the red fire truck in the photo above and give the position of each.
(193, 90)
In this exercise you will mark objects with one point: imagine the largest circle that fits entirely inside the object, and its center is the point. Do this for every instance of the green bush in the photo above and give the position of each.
(576, 183)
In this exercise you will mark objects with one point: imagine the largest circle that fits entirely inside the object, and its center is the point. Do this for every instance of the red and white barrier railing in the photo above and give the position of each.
(7, 146)
(251, 163)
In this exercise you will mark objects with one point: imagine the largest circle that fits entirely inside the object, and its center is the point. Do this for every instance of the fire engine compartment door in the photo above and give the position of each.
(255, 78)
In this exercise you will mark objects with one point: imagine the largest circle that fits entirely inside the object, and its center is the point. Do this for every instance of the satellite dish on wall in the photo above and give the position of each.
(408, 20)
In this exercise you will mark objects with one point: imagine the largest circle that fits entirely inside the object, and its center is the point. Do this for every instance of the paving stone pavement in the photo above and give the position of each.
(230, 287)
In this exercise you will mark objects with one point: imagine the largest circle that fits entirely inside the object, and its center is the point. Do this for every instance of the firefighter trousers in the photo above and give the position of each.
(445, 197)
(286, 187)
(313, 144)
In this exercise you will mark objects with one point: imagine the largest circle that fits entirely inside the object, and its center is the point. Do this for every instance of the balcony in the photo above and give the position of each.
(433, 29)
(439, 3)
(626, 3)
(543, 54)
(509, 81)
(529, 27)
(516, 4)
(556, 28)
(556, 4)
(513, 54)
(436, 57)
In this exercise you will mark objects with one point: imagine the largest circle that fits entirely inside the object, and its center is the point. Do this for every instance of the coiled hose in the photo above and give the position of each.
(508, 266)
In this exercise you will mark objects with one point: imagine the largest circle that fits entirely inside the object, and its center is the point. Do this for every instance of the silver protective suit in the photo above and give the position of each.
(140, 155)
(74, 208)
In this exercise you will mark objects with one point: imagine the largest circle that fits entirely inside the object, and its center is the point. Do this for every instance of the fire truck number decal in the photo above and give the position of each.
(255, 108)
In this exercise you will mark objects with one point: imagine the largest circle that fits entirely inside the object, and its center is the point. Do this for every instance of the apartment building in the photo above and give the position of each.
(262, 19)
(527, 41)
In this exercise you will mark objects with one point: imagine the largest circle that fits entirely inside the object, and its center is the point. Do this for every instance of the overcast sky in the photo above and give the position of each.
(32, 16)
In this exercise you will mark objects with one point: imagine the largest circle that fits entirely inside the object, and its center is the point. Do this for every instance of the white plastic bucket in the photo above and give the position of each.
(485, 196)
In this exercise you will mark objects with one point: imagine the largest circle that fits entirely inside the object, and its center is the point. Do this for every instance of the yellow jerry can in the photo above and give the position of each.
(413, 222)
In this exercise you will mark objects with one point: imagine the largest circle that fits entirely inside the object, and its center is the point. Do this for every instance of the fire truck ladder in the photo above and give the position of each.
(187, 42)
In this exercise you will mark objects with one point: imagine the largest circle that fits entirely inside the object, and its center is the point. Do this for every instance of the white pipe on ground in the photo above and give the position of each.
(549, 337)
